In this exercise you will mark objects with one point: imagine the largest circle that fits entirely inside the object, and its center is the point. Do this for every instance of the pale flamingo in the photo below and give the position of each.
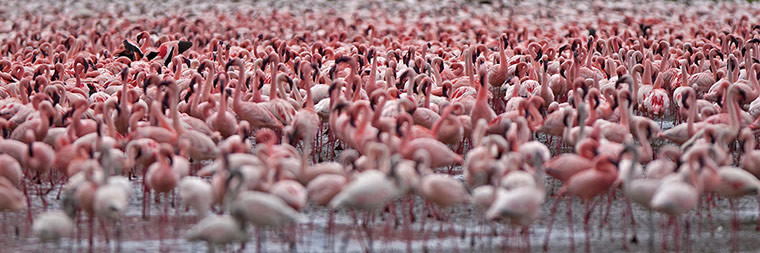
(11, 169)
(219, 230)
(11, 198)
(520, 206)
(263, 209)
(751, 157)
(677, 197)
(372, 189)
(51, 226)
(442, 190)
(197, 194)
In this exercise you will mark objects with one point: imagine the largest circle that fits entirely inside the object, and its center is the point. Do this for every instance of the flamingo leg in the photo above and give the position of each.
(569, 204)
(551, 221)
(734, 224)
(757, 221)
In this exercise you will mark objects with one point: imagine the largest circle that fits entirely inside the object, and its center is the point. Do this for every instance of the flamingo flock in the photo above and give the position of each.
(244, 121)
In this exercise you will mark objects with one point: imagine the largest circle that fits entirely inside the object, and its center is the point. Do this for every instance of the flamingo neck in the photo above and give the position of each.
(178, 72)
(437, 124)
(273, 84)
(237, 96)
(692, 114)
(647, 73)
(733, 111)
(536, 119)
(503, 61)
(646, 147)
(752, 77)
(207, 86)
(222, 105)
(309, 98)
(372, 76)
(134, 118)
(358, 84)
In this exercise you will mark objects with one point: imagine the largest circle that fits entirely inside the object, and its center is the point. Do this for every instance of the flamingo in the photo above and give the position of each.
(197, 194)
(54, 225)
(223, 121)
(11, 198)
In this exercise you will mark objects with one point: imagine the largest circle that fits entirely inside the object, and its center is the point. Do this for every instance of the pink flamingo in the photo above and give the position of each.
(280, 108)
(481, 110)
(11, 169)
(442, 190)
(256, 114)
(11, 198)
(657, 102)
(676, 197)
(223, 121)
(306, 121)
(587, 184)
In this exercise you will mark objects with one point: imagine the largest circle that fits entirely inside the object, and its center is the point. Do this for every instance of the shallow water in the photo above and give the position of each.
(459, 229)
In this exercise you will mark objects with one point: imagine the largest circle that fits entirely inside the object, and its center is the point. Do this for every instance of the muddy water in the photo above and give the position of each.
(459, 229)
(397, 228)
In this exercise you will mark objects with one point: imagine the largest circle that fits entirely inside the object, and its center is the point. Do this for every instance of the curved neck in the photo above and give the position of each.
(749, 143)
(535, 119)
(160, 117)
(426, 102)
(236, 98)
(357, 82)
(309, 98)
(658, 82)
(647, 73)
(222, 105)
(470, 69)
(42, 128)
(692, 115)
(109, 120)
(733, 110)
(646, 147)
(379, 109)
(273, 84)
(503, 61)
(410, 83)
(372, 76)
(624, 114)
(207, 86)
(592, 116)
(134, 118)
(752, 77)
(629, 176)
(178, 71)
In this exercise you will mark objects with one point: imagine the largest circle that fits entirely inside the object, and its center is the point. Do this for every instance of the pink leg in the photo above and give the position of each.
(105, 230)
(91, 228)
(734, 225)
(677, 235)
(551, 221)
(757, 221)
(28, 201)
(570, 222)
(586, 228)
